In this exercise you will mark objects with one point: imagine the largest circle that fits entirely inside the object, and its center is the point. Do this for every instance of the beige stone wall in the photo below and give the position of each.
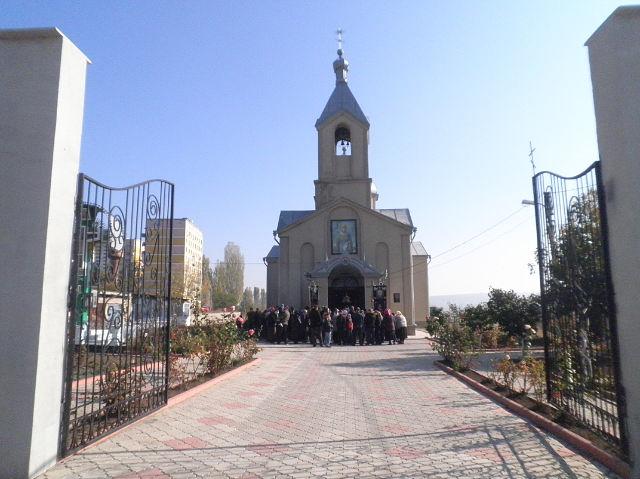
(373, 230)
(345, 176)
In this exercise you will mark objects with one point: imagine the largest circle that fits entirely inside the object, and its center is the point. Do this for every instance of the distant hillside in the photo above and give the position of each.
(443, 301)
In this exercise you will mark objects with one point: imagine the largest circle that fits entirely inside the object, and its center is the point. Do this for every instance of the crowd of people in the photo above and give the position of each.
(325, 327)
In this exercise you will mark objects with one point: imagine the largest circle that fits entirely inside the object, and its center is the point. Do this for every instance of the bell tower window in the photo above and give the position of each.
(343, 141)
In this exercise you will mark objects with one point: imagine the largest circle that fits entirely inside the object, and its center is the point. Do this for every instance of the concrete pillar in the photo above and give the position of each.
(420, 289)
(42, 81)
(406, 300)
(614, 56)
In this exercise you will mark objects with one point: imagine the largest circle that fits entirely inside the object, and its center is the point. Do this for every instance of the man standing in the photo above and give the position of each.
(377, 326)
(283, 324)
(315, 326)
(358, 326)
(369, 326)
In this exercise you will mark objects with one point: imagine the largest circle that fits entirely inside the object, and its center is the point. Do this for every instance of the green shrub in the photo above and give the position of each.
(457, 345)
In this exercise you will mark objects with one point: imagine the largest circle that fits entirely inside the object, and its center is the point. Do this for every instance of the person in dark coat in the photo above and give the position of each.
(292, 328)
(315, 326)
(358, 327)
(259, 324)
(303, 321)
(340, 333)
(389, 326)
(369, 327)
(377, 326)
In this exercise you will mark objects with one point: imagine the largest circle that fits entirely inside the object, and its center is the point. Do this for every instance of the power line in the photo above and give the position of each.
(486, 230)
(479, 234)
(482, 245)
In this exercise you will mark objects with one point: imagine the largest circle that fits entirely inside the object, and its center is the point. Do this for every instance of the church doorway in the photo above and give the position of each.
(346, 287)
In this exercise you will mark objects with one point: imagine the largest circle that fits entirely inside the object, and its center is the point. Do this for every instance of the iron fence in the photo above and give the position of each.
(117, 348)
(579, 323)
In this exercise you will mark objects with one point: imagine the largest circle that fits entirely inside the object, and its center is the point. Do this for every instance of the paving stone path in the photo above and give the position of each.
(365, 412)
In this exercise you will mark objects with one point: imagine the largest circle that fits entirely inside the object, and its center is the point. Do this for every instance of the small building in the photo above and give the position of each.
(347, 251)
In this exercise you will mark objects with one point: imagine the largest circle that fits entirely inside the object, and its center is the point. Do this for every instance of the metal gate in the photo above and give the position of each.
(117, 348)
(579, 322)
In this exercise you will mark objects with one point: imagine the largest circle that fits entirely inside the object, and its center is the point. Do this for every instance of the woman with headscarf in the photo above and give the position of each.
(389, 326)
(401, 327)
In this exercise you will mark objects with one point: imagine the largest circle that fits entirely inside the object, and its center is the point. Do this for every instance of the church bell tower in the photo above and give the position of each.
(343, 144)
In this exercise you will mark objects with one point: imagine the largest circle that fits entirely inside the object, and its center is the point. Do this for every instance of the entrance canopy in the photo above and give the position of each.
(346, 279)
(364, 269)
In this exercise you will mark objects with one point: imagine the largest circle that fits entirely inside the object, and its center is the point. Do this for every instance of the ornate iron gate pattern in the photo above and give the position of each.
(578, 312)
(117, 348)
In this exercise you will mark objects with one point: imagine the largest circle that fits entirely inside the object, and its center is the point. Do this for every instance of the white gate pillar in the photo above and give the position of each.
(42, 82)
(614, 56)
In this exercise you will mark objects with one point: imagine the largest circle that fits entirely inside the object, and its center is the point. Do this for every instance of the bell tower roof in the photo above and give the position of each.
(341, 100)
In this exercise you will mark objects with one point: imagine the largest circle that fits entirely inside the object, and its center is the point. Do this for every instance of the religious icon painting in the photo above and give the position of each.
(344, 237)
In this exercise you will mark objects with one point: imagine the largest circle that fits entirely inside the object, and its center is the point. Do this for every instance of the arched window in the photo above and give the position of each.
(343, 141)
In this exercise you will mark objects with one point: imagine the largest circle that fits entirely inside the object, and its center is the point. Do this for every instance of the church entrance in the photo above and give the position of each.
(346, 288)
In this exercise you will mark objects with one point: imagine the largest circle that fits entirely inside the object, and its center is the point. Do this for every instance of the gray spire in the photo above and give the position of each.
(341, 100)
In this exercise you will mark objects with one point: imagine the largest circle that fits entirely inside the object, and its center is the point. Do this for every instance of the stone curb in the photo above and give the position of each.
(614, 463)
(174, 401)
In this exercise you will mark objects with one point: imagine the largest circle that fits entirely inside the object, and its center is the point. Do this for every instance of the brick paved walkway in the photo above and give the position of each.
(381, 411)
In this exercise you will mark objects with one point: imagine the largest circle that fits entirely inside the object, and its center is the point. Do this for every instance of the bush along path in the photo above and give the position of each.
(207, 348)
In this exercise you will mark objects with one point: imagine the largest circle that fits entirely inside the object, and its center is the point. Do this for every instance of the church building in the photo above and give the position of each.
(347, 252)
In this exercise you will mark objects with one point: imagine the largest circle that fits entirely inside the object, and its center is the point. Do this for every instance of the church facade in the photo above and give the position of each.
(347, 252)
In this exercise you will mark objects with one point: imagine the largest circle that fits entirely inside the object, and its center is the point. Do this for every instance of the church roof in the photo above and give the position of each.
(289, 217)
(342, 101)
(399, 214)
(418, 249)
(274, 252)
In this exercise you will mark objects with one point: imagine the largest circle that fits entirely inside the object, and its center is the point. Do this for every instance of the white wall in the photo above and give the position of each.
(42, 81)
(614, 56)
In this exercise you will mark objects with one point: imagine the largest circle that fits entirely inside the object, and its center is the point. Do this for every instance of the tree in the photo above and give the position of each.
(478, 317)
(228, 278)
(247, 300)
(512, 311)
(575, 276)
(206, 293)
(263, 299)
(256, 297)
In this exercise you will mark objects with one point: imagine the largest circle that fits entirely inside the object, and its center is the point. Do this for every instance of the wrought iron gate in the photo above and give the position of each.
(119, 304)
(578, 313)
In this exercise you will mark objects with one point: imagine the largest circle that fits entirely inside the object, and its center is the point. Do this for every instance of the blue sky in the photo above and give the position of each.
(221, 99)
